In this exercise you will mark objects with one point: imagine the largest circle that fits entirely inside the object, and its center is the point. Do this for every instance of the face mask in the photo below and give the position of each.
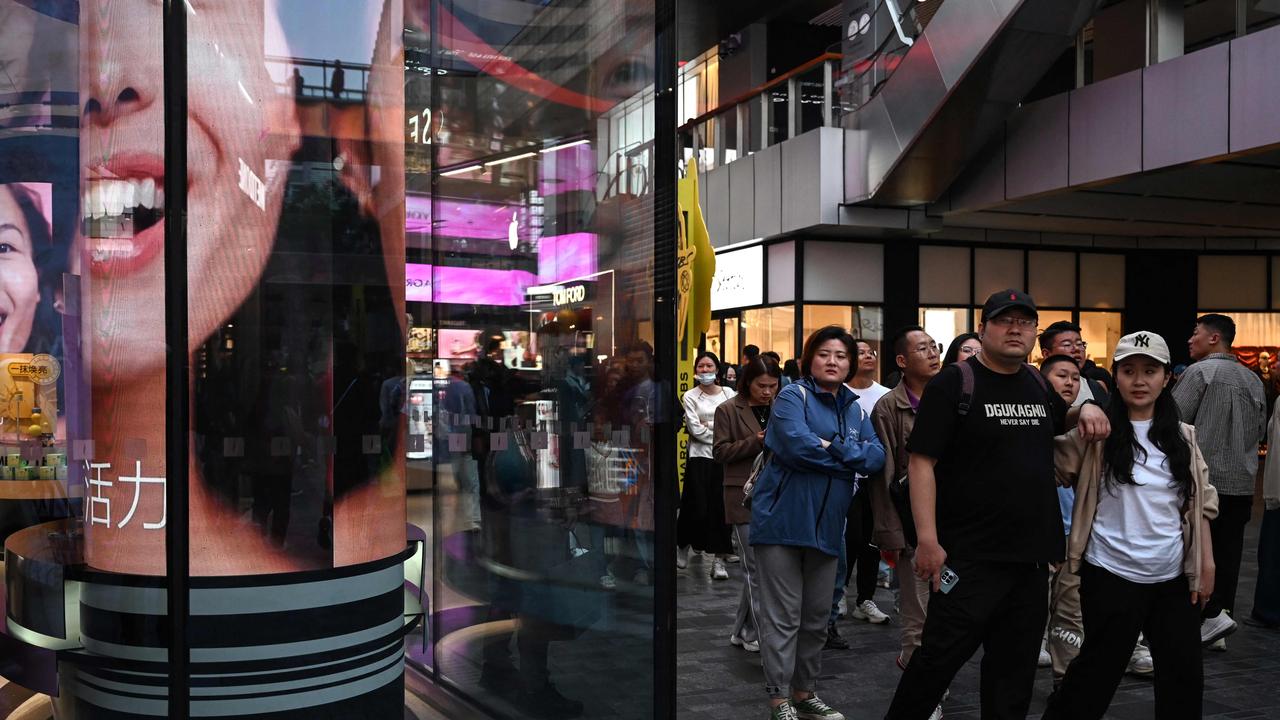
(705, 378)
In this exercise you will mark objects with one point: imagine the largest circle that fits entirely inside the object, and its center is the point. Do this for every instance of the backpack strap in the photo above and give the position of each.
(1035, 373)
(966, 387)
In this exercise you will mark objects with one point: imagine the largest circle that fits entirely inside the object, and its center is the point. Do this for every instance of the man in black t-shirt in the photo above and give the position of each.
(986, 511)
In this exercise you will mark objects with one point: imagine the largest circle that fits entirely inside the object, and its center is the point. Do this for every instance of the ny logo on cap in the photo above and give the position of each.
(1141, 341)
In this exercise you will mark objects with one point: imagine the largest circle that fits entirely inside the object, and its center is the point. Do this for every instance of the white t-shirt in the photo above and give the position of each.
(1137, 531)
(867, 397)
(699, 418)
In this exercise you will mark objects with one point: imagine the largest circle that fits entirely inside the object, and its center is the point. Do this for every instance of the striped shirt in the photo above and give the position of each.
(1227, 404)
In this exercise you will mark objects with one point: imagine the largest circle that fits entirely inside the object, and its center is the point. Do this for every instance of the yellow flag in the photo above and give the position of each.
(695, 267)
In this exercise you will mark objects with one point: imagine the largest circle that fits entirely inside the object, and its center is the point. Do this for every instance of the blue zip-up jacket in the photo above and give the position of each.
(802, 496)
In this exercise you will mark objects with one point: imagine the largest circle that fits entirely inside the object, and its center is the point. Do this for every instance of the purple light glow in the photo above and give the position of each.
(564, 257)
(465, 286)
(482, 221)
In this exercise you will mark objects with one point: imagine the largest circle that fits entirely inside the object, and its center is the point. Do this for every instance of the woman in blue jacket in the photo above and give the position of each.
(820, 441)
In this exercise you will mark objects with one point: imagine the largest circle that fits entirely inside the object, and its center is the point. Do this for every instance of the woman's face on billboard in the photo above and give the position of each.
(19, 284)
(241, 131)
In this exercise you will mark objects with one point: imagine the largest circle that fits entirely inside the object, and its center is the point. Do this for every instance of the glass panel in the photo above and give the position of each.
(1262, 14)
(82, 350)
(1236, 281)
(771, 329)
(819, 316)
(537, 256)
(944, 324)
(714, 345)
(811, 99)
(1102, 331)
(944, 275)
(731, 351)
(1208, 22)
(777, 106)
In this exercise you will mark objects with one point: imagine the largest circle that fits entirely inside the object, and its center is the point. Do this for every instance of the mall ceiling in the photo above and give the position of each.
(1231, 198)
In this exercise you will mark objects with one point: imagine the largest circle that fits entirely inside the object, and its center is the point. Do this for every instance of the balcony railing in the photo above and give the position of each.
(822, 92)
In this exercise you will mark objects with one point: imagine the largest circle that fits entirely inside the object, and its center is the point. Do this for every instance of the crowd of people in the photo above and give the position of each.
(1059, 516)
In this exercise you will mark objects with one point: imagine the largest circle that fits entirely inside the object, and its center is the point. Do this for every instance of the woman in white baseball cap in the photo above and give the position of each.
(1139, 541)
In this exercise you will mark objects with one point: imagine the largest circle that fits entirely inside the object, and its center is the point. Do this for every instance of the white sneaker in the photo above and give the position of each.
(748, 645)
(937, 714)
(1140, 662)
(608, 582)
(718, 572)
(731, 559)
(1045, 659)
(682, 557)
(1216, 628)
(842, 608)
(1219, 645)
(867, 611)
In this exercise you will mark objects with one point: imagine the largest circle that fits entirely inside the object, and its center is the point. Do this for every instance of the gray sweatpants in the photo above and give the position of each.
(744, 625)
(795, 598)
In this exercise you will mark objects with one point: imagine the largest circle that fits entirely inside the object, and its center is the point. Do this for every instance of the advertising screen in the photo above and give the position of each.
(295, 267)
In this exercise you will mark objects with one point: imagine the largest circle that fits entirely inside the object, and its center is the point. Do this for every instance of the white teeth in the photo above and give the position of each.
(130, 188)
(147, 193)
(113, 196)
(97, 207)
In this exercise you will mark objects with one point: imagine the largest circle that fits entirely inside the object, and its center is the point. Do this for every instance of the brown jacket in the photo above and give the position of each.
(1080, 464)
(735, 447)
(893, 419)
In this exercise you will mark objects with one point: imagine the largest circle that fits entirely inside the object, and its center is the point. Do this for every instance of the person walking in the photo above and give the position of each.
(739, 438)
(701, 523)
(1227, 404)
(986, 515)
(893, 417)
(819, 442)
(1266, 594)
(1140, 541)
(858, 552)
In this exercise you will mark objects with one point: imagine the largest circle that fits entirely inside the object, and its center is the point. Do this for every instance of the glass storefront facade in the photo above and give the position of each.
(227, 432)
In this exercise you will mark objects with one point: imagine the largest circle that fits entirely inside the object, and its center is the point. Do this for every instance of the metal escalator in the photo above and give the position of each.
(948, 91)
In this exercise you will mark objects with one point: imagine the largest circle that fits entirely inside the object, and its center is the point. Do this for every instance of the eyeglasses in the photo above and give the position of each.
(969, 350)
(1009, 321)
(925, 350)
(1068, 345)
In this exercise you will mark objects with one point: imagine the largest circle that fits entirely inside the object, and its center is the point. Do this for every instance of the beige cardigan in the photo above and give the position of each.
(1079, 464)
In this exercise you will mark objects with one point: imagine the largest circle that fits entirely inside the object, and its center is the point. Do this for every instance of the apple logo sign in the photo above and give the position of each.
(513, 240)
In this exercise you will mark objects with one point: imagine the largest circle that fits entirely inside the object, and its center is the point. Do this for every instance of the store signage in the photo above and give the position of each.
(739, 279)
(569, 295)
(42, 369)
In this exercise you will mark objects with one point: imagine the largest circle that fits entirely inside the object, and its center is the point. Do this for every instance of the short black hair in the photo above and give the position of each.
(820, 336)
(1056, 329)
(899, 340)
(791, 369)
(751, 352)
(1221, 324)
(708, 354)
(1052, 360)
(771, 354)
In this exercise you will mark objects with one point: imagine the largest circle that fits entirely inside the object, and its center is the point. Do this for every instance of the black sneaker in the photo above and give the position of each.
(834, 641)
(549, 703)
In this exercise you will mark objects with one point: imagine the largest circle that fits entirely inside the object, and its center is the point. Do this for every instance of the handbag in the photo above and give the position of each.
(757, 467)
